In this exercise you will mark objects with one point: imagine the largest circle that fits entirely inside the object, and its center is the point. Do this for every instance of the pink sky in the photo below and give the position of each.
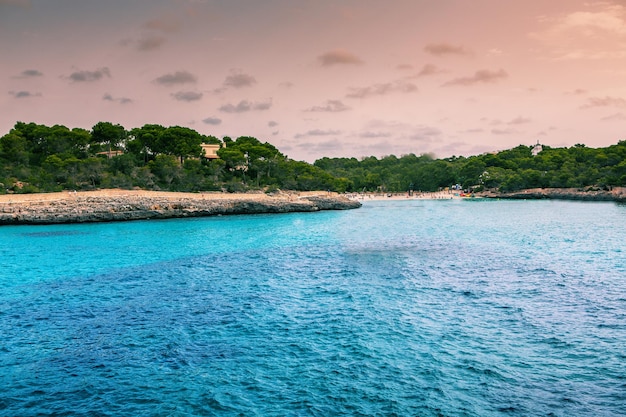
(324, 78)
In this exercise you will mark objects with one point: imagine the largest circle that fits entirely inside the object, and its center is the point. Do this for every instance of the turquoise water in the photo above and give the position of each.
(400, 308)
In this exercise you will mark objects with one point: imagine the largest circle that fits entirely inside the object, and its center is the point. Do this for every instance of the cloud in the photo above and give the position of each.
(577, 92)
(519, 121)
(339, 57)
(272, 123)
(503, 131)
(403, 67)
(440, 49)
(245, 106)
(150, 43)
(424, 134)
(318, 132)
(24, 94)
(121, 100)
(187, 96)
(598, 32)
(609, 19)
(238, 80)
(374, 135)
(331, 106)
(604, 102)
(473, 130)
(382, 89)
(89, 76)
(166, 24)
(212, 121)
(481, 76)
(614, 117)
(30, 73)
(429, 69)
(179, 77)
(323, 148)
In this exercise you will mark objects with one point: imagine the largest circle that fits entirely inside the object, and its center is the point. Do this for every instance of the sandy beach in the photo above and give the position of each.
(208, 195)
(435, 195)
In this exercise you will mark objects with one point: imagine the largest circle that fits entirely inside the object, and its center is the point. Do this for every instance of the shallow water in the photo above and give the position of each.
(429, 308)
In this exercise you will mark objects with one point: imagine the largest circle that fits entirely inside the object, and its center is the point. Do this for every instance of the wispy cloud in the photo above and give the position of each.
(150, 43)
(614, 117)
(577, 92)
(187, 96)
(318, 132)
(429, 69)
(338, 57)
(179, 77)
(331, 106)
(508, 131)
(89, 76)
(440, 49)
(121, 100)
(374, 135)
(519, 121)
(604, 102)
(212, 121)
(24, 94)
(238, 79)
(30, 73)
(382, 89)
(424, 133)
(246, 106)
(596, 32)
(481, 76)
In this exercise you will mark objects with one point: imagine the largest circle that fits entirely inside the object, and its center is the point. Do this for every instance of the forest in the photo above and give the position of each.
(38, 158)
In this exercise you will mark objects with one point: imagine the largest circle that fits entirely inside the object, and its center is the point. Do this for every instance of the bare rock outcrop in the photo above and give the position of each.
(583, 194)
(84, 208)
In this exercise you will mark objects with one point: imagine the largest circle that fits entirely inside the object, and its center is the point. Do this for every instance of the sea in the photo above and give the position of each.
(399, 308)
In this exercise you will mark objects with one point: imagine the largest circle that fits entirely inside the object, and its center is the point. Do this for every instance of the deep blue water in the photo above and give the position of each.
(400, 308)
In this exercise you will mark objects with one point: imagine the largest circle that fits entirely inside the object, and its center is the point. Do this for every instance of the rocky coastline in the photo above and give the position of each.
(121, 205)
(617, 194)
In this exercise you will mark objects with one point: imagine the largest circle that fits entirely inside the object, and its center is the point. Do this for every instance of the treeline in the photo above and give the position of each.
(510, 170)
(39, 158)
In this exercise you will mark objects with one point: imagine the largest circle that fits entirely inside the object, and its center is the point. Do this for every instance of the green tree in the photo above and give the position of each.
(181, 141)
(109, 135)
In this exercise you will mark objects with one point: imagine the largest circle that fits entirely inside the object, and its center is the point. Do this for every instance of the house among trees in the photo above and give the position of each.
(209, 150)
(110, 154)
(536, 149)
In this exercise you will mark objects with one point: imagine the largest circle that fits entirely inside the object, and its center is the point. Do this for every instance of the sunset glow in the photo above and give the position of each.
(324, 78)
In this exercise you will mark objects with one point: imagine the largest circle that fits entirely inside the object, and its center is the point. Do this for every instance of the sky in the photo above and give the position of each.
(324, 78)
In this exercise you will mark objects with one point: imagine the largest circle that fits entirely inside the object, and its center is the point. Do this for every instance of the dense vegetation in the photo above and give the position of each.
(510, 170)
(38, 158)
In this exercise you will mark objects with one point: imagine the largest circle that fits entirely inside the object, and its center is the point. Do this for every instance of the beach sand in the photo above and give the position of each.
(436, 195)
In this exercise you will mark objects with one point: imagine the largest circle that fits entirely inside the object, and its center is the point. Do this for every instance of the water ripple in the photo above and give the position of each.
(394, 309)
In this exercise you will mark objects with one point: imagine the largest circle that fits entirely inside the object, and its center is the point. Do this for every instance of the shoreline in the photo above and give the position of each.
(616, 194)
(112, 205)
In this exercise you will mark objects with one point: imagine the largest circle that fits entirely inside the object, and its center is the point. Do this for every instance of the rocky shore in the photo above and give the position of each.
(617, 194)
(123, 205)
